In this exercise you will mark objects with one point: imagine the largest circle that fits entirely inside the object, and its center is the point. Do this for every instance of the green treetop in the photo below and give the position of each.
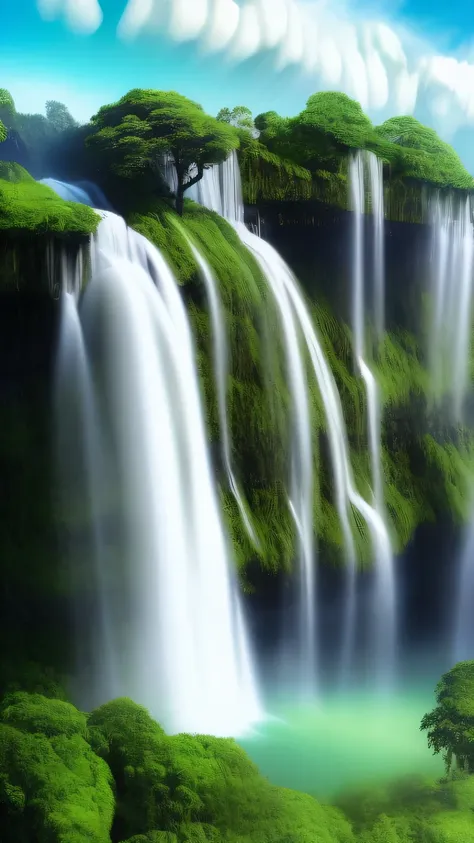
(420, 153)
(143, 127)
(450, 725)
(59, 116)
(330, 124)
(7, 111)
(6, 101)
(240, 117)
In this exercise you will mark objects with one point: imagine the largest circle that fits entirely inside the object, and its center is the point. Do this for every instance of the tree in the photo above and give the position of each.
(7, 106)
(145, 126)
(3, 132)
(275, 132)
(7, 109)
(418, 152)
(240, 117)
(59, 116)
(450, 725)
(331, 124)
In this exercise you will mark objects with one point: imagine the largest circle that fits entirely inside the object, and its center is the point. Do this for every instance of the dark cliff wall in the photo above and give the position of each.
(316, 241)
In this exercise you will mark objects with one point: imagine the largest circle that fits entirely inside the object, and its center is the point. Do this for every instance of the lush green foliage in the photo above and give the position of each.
(53, 787)
(450, 726)
(332, 124)
(27, 205)
(240, 117)
(422, 155)
(3, 132)
(6, 101)
(34, 136)
(114, 775)
(59, 116)
(199, 788)
(144, 126)
(268, 176)
(413, 810)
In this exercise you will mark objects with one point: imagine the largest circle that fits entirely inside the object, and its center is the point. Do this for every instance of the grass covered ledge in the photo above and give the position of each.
(28, 206)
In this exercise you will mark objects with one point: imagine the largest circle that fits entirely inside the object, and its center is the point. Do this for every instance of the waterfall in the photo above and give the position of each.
(300, 339)
(220, 355)
(171, 605)
(375, 167)
(79, 456)
(463, 644)
(451, 284)
(384, 604)
(86, 193)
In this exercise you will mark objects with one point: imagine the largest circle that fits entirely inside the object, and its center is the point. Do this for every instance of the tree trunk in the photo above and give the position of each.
(183, 186)
(180, 200)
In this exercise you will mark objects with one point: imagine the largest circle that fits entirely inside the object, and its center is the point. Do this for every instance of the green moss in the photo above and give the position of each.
(200, 788)
(26, 205)
(423, 477)
(30, 713)
(266, 176)
(52, 785)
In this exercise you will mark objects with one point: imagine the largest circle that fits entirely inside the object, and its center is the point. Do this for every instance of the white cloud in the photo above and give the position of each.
(82, 16)
(382, 63)
(389, 69)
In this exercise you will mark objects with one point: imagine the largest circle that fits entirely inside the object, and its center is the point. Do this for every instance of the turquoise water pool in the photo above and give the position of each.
(344, 741)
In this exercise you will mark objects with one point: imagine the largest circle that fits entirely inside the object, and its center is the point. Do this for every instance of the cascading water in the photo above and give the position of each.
(449, 348)
(383, 632)
(85, 193)
(81, 476)
(451, 282)
(375, 168)
(220, 353)
(177, 626)
(297, 325)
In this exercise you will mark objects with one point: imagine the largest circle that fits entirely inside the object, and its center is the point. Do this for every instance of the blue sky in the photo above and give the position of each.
(395, 57)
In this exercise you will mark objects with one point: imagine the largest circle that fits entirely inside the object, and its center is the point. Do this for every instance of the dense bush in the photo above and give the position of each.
(53, 787)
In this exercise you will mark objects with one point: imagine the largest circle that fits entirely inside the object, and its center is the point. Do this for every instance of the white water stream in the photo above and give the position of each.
(220, 190)
(384, 601)
(178, 631)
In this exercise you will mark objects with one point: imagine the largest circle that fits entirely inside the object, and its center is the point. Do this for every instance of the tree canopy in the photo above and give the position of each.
(6, 101)
(420, 153)
(59, 116)
(450, 726)
(240, 117)
(3, 132)
(144, 127)
(316, 138)
(332, 123)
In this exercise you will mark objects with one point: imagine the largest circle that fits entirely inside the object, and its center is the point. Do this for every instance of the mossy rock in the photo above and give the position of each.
(200, 789)
(53, 788)
(27, 206)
